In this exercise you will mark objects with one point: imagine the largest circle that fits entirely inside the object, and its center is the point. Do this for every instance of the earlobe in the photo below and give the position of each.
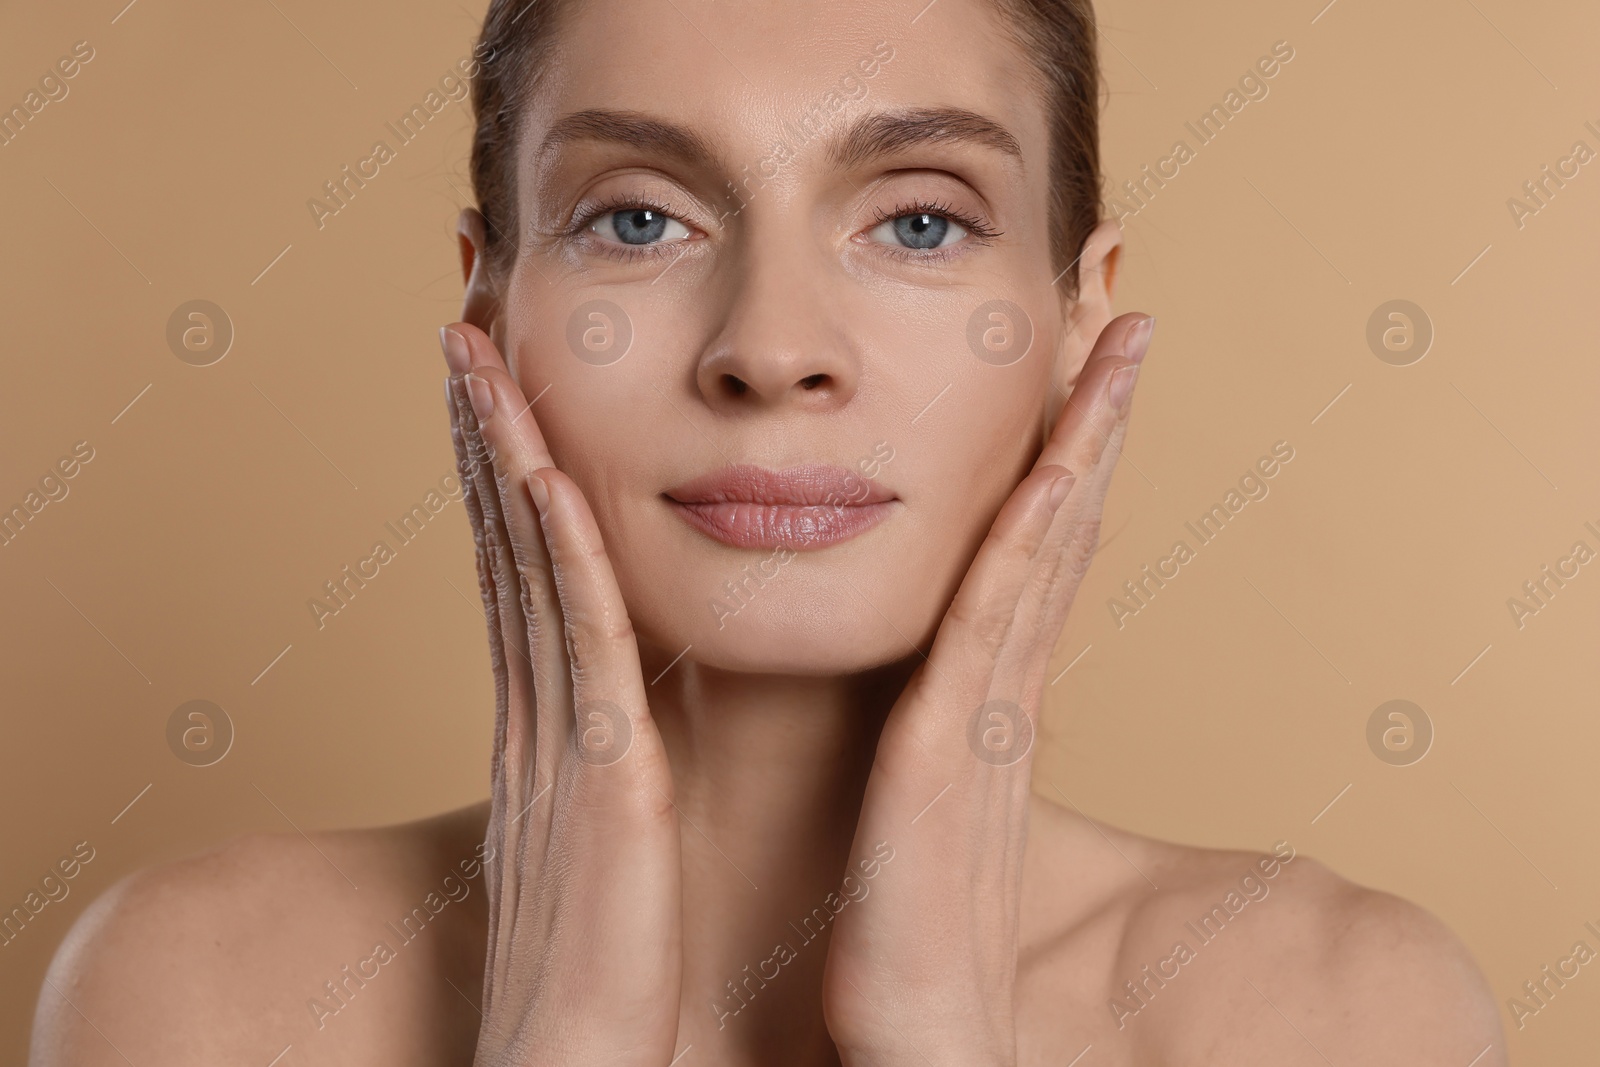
(481, 304)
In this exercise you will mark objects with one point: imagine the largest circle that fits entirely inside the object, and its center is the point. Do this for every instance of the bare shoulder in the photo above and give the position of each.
(1245, 957)
(330, 943)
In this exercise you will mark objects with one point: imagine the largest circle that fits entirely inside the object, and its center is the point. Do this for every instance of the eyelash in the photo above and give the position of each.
(980, 231)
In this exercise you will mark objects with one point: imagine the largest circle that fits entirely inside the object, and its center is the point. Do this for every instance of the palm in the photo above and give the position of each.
(921, 965)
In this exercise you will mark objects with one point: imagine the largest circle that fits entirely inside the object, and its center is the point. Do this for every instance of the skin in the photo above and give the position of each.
(826, 725)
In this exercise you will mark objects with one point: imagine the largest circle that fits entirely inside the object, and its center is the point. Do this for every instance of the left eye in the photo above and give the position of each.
(920, 230)
(639, 226)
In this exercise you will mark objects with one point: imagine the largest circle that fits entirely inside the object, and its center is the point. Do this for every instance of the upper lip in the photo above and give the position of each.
(804, 486)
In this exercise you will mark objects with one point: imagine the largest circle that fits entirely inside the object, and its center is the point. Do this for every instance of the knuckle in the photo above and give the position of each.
(987, 621)
(507, 587)
(1086, 532)
(1080, 549)
(488, 503)
(535, 579)
(466, 467)
(1099, 441)
(591, 636)
(1108, 442)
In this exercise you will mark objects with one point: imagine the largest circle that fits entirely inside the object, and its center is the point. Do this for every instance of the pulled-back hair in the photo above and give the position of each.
(1059, 35)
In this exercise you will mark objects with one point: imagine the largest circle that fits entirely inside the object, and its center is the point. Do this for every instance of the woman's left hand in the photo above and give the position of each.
(920, 971)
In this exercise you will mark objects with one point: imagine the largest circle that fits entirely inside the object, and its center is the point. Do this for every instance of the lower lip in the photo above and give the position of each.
(773, 525)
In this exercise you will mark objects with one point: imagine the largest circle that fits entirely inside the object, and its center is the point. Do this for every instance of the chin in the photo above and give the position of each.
(841, 611)
(785, 640)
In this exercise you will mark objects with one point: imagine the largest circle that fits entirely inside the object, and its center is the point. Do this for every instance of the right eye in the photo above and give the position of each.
(638, 226)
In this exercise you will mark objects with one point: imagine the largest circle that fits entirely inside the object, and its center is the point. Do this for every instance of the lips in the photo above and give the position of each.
(799, 507)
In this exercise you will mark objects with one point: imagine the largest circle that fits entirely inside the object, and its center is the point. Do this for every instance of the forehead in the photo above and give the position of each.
(745, 74)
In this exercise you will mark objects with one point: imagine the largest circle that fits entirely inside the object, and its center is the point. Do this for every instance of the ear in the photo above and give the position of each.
(480, 306)
(1087, 314)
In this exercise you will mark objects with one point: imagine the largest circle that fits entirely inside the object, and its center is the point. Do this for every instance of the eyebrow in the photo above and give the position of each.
(869, 137)
(889, 133)
(629, 128)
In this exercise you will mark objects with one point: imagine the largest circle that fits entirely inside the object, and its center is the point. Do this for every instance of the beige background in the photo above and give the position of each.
(1229, 712)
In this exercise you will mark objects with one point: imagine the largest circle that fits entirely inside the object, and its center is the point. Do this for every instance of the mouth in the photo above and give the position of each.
(799, 507)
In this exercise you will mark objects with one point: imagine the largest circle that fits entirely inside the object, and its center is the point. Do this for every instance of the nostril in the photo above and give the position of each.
(736, 386)
(813, 381)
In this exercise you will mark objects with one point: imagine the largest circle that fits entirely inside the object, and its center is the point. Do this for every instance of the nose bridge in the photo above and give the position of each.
(780, 342)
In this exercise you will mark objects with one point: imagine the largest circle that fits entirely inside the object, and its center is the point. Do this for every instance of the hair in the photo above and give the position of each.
(519, 35)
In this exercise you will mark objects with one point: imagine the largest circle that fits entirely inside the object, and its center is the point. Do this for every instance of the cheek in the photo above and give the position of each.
(594, 363)
(957, 474)
(963, 431)
(609, 427)
(606, 429)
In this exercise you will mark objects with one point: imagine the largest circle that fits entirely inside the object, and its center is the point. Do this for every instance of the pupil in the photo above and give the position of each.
(921, 231)
(640, 226)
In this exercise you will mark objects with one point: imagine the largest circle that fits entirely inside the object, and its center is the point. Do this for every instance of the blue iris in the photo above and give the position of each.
(921, 231)
(639, 226)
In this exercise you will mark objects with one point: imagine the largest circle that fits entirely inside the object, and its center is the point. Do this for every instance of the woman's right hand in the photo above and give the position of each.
(584, 883)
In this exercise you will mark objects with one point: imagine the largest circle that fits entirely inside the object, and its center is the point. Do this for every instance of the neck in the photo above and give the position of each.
(768, 773)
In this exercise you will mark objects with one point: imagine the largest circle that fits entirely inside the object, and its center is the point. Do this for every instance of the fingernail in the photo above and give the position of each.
(456, 355)
(482, 397)
(1059, 489)
(541, 493)
(1122, 380)
(1139, 339)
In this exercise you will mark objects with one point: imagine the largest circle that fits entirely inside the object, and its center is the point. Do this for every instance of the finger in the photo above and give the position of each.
(1084, 427)
(504, 579)
(514, 752)
(502, 872)
(486, 361)
(996, 636)
(514, 437)
(1088, 437)
(467, 462)
(982, 621)
(495, 831)
(511, 436)
(468, 450)
(611, 711)
(611, 890)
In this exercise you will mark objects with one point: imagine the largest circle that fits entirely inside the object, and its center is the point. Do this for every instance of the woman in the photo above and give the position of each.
(786, 397)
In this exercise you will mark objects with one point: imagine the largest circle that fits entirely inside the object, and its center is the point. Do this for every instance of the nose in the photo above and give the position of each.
(781, 345)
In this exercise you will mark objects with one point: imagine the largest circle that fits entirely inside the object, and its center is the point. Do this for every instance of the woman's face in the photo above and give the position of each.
(764, 235)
